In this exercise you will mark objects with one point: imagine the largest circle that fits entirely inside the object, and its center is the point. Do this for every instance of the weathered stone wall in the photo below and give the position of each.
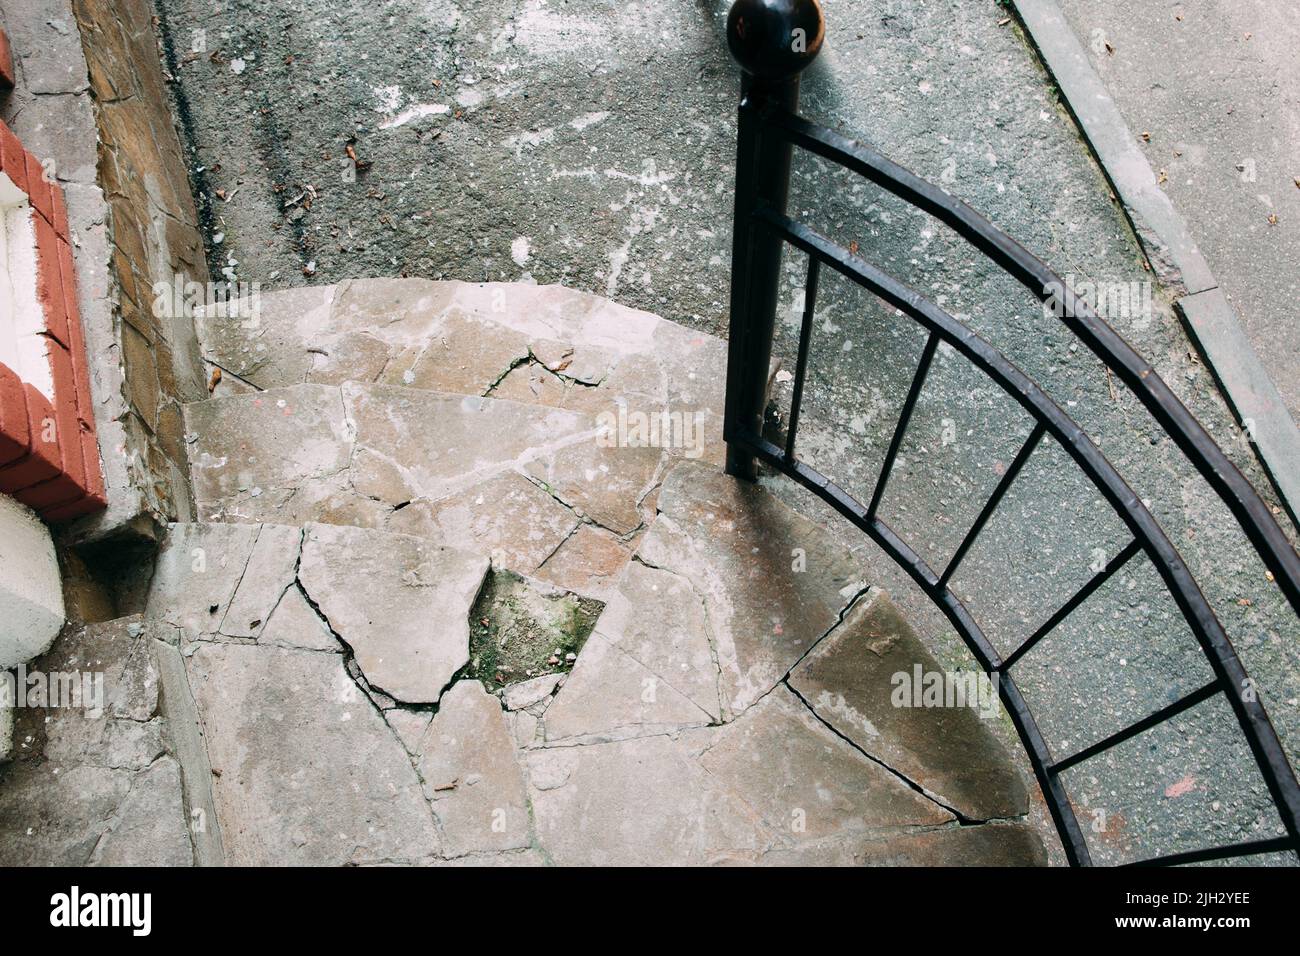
(154, 237)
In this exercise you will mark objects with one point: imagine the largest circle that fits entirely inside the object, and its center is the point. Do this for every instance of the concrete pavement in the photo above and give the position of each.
(1212, 89)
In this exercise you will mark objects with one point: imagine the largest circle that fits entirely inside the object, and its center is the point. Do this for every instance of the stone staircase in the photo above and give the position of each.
(445, 603)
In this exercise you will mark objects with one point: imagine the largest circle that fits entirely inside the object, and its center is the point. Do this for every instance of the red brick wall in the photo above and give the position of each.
(49, 457)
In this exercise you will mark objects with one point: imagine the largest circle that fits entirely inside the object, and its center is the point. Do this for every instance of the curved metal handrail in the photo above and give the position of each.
(1134, 371)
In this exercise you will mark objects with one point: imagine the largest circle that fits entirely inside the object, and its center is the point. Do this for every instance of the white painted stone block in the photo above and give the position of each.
(31, 596)
(23, 345)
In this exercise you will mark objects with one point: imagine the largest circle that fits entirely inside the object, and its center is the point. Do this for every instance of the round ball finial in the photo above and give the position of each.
(775, 39)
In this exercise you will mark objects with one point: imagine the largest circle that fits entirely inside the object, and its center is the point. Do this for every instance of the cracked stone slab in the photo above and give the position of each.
(272, 347)
(57, 820)
(639, 802)
(420, 461)
(414, 444)
(533, 383)
(267, 576)
(530, 693)
(610, 695)
(409, 725)
(295, 623)
(149, 828)
(601, 481)
(119, 651)
(507, 517)
(807, 782)
(104, 742)
(461, 355)
(471, 775)
(254, 452)
(196, 573)
(588, 561)
(583, 364)
(848, 680)
(656, 618)
(409, 624)
(526, 728)
(772, 582)
(423, 327)
(544, 345)
(222, 578)
(305, 770)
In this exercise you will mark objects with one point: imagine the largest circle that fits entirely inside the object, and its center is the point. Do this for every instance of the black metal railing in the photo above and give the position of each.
(773, 40)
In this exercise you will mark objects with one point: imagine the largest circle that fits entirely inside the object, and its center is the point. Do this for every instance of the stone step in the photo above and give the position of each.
(711, 701)
(399, 522)
(513, 480)
(315, 657)
(744, 633)
(297, 589)
(544, 345)
(519, 418)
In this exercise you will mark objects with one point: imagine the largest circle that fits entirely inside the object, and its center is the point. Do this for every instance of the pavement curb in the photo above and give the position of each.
(1174, 256)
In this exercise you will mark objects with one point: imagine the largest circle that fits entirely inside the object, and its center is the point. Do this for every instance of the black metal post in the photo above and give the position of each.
(773, 41)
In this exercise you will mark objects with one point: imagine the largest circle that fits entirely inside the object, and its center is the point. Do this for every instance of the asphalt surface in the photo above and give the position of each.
(592, 144)
(1212, 89)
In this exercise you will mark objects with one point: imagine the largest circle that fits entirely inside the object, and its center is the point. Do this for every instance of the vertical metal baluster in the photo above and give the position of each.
(913, 393)
(990, 506)
(801, 364)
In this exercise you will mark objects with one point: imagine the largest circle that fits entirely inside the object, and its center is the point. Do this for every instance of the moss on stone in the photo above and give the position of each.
(520, 629)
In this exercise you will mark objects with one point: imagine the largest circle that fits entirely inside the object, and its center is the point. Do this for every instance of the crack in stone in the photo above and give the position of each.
(852, 602)
(904, 778)
(555, 550)
(349, 654)
(577, 512)
(724, 705)
(527, 358)
(234, 592)
(349, 657)
(235, 375)
(115, 819)
(592, 740)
